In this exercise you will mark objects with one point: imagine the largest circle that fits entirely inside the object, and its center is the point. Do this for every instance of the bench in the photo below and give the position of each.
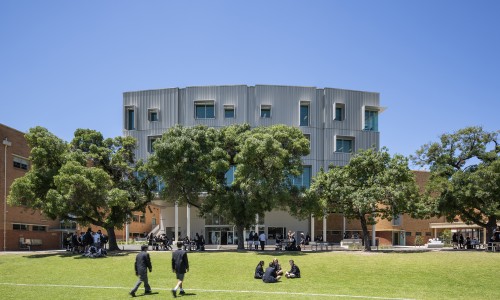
(493, 246)
(345, 243)
(28, 244)
(320, 245)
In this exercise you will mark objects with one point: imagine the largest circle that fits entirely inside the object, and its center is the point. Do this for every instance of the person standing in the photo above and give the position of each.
(180, 266)
(262, 240)
(142, 265)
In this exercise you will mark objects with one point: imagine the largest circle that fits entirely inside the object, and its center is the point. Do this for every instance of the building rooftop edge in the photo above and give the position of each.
(243, 85)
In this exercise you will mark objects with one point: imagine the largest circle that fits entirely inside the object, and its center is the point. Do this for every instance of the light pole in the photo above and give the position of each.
(7, 144)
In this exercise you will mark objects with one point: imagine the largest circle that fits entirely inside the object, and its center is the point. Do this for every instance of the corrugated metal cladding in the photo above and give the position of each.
(177, 106)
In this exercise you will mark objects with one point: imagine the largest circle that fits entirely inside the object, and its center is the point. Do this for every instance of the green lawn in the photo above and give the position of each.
(229, 275)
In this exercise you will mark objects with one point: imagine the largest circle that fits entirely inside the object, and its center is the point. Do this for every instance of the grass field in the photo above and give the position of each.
(229, 275)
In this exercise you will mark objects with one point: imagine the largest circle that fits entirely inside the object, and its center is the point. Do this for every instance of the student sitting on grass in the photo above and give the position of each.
(259, 270)
(270, 275)
(277, 267)
(294, 271)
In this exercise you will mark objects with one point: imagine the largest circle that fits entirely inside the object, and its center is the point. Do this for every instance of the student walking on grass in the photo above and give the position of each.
(142, 265)
(180, 266)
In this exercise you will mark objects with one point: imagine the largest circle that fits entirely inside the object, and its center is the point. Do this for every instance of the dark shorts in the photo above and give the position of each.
(180, 276)
(269, 280)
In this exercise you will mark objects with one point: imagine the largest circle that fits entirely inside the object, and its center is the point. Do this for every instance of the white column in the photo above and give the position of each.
(188, 225)
(373, 234)
(324, 228)
(176, 221)
(312, 228)
(343, 226)
(257, 223)
(162, 221)
(127, 232)
(7, 143)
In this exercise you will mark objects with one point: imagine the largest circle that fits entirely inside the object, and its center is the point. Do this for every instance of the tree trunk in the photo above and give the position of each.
(490, 227)
(113, 245)
(366, 237)
(241, 238)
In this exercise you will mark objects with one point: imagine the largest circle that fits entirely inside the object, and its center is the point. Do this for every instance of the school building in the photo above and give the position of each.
(337, 123)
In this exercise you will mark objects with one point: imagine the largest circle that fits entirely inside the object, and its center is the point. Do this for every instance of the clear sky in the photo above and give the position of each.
(436, 64)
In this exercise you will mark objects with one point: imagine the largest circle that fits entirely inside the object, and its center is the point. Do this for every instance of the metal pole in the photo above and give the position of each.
(7, 144)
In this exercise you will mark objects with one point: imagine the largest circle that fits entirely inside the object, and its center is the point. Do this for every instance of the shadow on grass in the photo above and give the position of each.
(142, 295)
(76, 255)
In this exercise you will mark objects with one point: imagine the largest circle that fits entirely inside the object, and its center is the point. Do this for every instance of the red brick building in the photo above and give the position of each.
(21, 225)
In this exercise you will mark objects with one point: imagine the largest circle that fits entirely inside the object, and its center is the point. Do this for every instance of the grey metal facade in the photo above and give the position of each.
(177, 106)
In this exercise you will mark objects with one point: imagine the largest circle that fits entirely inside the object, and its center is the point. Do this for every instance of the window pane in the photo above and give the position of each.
(229, 113)
(230, 175)
(153, 116)
(371, 120)
(265, 112)
(304, 179)
(338, 113)
(131, 116)
(304, 115)
(200, 112)
(344, 146)
(210, 112)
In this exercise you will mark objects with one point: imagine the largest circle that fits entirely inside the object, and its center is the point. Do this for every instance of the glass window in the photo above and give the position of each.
(205, 110)
(371, 120)
(20, 226)
(130, 119)
(21, 163)
(229, 112)
(153, 115)
(39, 228)
(339, 112)
(151, 141)
(344, 145)
(396, 221)
(304, 115)
(265, 111)
(276, 232)
(230, 175)
(304, 179)
(135, 218)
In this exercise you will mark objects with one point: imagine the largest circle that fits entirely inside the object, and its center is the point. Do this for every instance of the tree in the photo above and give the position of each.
(92, 180)
(197, 159)
(465, 176)
(371, 186)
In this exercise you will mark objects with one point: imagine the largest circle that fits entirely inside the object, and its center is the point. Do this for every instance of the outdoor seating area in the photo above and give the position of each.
(28, 244)
(435, 243)
(493, 246)
(322, 246)
(345, 243)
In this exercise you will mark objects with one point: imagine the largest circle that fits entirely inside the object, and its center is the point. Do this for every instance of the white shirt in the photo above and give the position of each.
(262, 237)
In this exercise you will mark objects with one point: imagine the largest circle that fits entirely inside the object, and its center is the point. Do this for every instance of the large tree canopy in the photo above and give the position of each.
(92, 180)
(372, 185)
(261, 162)
(465, 176)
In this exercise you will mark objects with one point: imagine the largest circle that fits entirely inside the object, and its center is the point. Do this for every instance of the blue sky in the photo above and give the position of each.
(65, 64)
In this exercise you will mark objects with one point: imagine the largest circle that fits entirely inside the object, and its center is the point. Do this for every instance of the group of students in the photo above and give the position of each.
(274, 271)
(89, 243)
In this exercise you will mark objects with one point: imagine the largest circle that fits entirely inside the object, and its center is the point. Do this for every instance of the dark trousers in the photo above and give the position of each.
(142, 278)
